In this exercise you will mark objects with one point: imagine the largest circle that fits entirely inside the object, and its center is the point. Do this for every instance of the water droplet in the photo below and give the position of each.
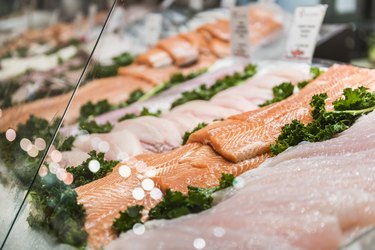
(94, 166)
(56, 156)
(10, 134)
(53, 167)
(218, 231)
(43, 171)
(124, 171)
(33, 151)
(138, 193)
(122, 156)
(95, 142)
(238, 183)
(25, 144)
(156, 194)
(103, 146)
(199, 243)
(40, 144)
(151, 172)
(139, 228)
(148, 184)
(68, 179)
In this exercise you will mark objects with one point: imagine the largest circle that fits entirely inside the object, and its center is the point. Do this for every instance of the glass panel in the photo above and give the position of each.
(138, 71)
(44, 48)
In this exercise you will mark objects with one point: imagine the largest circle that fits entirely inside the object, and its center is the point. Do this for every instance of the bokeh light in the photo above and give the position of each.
(10, 134)
(148, 184)
(199, 243)
(138, 194)
(94, 166)
(139, 228)
(124, 171)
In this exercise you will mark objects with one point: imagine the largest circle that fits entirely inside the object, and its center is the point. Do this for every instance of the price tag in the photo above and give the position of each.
(228, 3)
(153, 26)
(304, 33)
(239, 31)
(197, 5)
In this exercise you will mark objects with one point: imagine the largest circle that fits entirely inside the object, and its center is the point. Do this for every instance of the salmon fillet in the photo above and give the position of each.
(155, 58)
(182, 52)
(251, 133)
(220, 29)
(197, 40)
(146, 73)
(219, 47)
(114, 89)
(193, 164)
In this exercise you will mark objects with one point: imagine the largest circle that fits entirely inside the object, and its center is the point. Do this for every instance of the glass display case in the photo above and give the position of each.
(114, 116)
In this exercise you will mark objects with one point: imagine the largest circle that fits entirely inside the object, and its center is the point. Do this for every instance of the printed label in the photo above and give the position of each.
(196, 4)
(153, 26)
(239, 30)
(228, 3)
(304, 32)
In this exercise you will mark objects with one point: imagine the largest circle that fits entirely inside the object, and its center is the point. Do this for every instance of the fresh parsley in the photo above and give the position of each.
(128, 219)
(144, 112)
(92, 127)
(205, 93)
(280, 92)
(83, 175)
(326, 124)
(176, 204)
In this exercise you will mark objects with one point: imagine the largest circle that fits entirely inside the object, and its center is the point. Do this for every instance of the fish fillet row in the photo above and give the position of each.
(293, 201)
(153, 134)
(251, 133)
(194, 164)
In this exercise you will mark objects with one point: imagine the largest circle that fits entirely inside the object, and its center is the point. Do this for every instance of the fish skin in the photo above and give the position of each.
(182, 52)
(115, 89)
(251, 133)
(155, 58)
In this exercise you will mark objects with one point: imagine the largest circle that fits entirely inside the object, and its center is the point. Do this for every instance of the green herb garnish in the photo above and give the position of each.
(134, 97)
(176, 204)
(175, 79)
(92, 127)
(187, 134)
(280, 92)
(144, 112)
(22, 51)
(90, 110)
(83, 175)
(315, 72)
(54, 209)
(205, 93)
(101, 71)
(326, 124)
(67, 144)
(128, 219)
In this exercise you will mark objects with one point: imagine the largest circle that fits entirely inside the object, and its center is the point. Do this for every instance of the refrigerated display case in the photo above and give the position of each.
(115, 129)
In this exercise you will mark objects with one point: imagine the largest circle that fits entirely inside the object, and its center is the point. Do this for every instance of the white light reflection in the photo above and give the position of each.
(94, 166)
(139, 228)
(10, 134)
(148, 184)
(199, 243)
(138, 193)
(124, 171)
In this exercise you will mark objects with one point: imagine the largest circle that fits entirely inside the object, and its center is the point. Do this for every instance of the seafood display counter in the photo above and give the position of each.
(163, 140)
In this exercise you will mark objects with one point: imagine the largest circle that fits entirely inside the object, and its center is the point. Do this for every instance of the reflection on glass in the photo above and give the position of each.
(42, 55)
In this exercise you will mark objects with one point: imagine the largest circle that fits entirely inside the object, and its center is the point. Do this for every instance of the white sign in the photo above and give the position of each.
(197, 5)
(239, 32)
(153, 26)
(228, 3)
(304, 32)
